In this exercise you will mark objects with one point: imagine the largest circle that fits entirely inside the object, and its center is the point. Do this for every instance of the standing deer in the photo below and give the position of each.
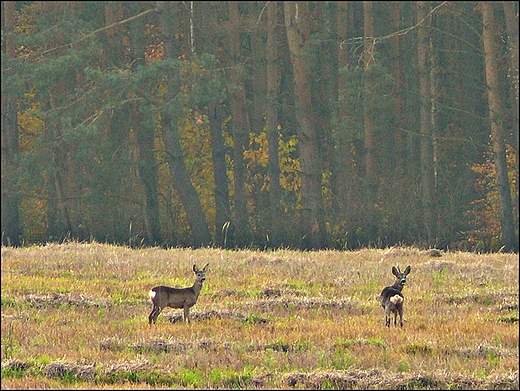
(391, 297)
(163, 296)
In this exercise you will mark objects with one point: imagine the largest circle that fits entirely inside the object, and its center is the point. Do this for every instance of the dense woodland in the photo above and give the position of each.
(249, 124)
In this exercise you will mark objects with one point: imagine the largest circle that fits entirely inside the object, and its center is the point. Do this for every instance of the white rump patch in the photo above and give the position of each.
(396, 299)
(152, 294)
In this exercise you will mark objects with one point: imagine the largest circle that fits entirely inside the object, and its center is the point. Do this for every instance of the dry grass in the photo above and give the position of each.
(75, 316)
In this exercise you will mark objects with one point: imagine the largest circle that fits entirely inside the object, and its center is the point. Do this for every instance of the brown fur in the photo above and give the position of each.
(185, 298)
(391, 297)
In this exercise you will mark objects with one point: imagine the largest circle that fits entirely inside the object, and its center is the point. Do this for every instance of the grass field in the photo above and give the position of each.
(75, 316)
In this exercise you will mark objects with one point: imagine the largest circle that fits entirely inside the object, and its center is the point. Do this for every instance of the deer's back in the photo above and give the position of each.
(174, 297)
(387, 293)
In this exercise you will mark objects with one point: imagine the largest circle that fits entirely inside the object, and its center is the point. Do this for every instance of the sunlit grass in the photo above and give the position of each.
(76, 315)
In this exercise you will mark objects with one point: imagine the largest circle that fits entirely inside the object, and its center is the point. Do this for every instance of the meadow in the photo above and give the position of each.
(75, 316)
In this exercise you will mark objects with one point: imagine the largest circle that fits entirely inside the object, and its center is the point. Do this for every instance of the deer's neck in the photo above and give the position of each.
(197, 287)
(397, 285)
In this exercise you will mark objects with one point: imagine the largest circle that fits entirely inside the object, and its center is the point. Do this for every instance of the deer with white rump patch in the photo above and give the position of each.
(391, 297)
(163, 296)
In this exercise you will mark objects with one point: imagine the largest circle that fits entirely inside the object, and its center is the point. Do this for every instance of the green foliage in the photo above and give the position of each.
(83, 104)
(229, 379)
(439, 277)
(280, 346)
(191, 378)
(9, 344)
(153, 378)
(418, 349)
(340, 358)
(403, 366)
(8, 302)
(493, 358)
(16, 371)
(422, 383)
(253, 319)
(69, 377)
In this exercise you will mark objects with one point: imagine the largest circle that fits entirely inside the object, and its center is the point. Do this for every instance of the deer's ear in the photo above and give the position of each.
(407, 270)
(195, 269)
(205, 267)
(394, 271)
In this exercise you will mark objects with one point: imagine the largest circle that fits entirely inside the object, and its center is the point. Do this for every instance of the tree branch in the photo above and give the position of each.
(95, 32)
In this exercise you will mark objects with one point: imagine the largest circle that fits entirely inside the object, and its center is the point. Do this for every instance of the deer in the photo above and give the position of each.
(163, 296)
(391, 297)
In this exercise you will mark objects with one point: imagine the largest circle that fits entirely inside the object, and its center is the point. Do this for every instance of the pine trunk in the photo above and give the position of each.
(427, 180)
(169, 122)
(241, 129)
(497, 132)
(146, 163)
(224, 228)
(10, 142)
(273, 90)
(399, 147)
(297, 23)
(342, 171)
(511, 15)
(370, 144)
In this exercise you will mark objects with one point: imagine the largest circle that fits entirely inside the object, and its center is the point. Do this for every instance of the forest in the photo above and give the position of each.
(262, 125)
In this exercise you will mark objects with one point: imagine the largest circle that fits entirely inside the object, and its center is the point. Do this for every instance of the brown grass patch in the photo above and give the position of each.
(380, 379)
(75, 316)
(59, 300)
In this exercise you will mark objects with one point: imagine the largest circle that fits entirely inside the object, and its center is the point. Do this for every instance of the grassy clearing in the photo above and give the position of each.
(75, 316)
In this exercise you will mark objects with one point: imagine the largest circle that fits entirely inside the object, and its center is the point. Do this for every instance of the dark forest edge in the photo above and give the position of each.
(261, 125)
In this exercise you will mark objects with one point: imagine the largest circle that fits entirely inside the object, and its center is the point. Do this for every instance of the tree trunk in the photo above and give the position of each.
(10, 142)
(58, 218)
(399, 95)
(324, 87)
(117, 127)
(146, 164)
(492, 52)
(423, 44)
(368, 121)
(115, 53)
(342, 172)
(273, 90)
(241, 129)
(169, 123)
(511, 15)
(368, 54)
(297, 23)
(207, 42)
(146, 167)
(224, 227)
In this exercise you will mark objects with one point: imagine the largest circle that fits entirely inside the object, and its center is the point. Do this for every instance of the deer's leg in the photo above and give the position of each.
(157, 312)
(154, 314)
(150, 317)
(187, 314)
(387, 315)
(401, 315)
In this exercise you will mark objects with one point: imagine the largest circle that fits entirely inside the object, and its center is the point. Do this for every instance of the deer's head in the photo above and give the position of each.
(201, 274)
(401, 276)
